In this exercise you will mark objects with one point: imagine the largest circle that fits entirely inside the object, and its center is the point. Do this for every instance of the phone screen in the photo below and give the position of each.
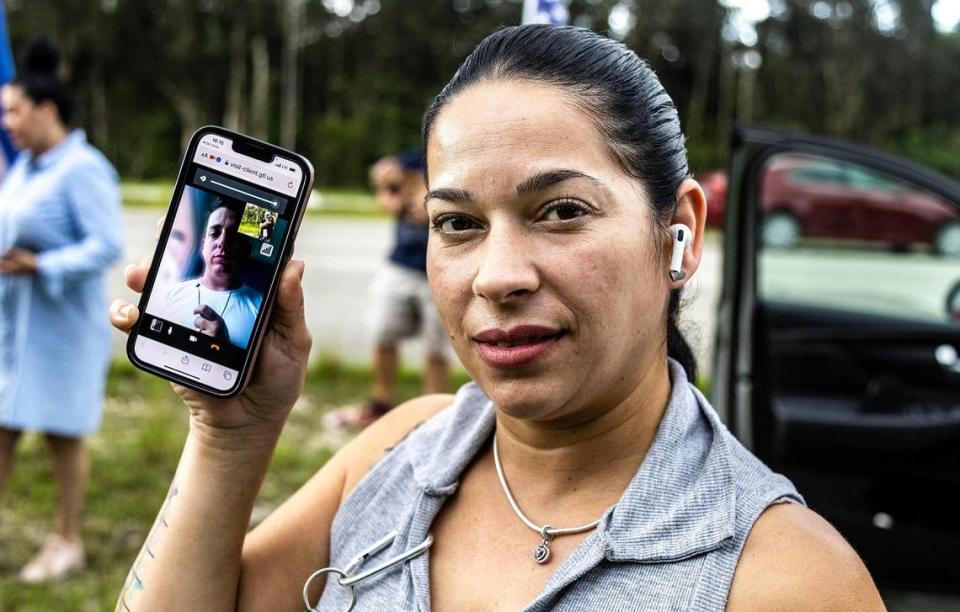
(231, 215)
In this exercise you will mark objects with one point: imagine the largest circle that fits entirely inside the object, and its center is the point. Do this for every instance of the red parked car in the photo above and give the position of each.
(809, 197)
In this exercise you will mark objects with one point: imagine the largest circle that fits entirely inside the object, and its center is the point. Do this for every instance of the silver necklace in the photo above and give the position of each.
(541, 554)
(225, 304)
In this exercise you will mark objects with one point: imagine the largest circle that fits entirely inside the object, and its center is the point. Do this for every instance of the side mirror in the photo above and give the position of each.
(953, 303)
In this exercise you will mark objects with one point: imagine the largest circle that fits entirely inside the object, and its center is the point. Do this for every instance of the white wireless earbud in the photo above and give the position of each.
(681, 241)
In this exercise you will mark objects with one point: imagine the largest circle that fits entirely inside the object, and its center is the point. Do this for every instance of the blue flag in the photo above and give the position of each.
(545, 11)
(7, 72)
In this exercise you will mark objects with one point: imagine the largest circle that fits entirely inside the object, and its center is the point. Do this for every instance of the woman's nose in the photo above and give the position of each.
(506, 270)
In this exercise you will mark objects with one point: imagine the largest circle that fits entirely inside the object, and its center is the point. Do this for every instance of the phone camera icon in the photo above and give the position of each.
(228, 375)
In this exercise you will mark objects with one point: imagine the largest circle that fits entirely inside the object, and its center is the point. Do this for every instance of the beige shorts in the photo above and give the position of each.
(401, 306)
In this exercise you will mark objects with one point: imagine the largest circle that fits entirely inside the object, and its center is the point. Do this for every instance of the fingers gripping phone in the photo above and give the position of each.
(236, 208)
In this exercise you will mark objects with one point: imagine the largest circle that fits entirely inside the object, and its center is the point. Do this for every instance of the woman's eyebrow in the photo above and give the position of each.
(548, 178)
(449, 194)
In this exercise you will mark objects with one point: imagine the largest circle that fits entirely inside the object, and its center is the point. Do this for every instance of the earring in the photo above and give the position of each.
(681, 241)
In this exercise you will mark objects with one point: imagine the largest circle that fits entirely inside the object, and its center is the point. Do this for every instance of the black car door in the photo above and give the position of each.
(837, 358)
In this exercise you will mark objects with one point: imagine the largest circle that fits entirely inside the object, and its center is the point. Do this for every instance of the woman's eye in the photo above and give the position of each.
(451, 224)
(564, 211)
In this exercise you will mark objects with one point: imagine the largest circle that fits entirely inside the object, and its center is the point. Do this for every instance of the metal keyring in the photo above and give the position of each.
(321, 572)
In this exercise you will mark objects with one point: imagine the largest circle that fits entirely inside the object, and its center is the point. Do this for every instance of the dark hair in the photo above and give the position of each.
(39, 78)
(411, 160)
(632, 111)
(224, 202)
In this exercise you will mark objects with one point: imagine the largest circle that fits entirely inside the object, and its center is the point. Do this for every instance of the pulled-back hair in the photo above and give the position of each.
(39, 78)
(619, 91)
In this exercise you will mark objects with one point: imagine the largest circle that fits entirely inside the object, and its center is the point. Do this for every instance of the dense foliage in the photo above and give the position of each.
(345, 81)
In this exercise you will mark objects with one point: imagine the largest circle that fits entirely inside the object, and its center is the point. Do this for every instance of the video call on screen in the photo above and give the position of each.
(220, 255)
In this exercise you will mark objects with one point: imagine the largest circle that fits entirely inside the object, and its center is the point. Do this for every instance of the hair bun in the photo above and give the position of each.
(41, 57)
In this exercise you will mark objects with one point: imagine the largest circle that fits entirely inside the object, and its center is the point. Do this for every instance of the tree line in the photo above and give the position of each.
(347, 81)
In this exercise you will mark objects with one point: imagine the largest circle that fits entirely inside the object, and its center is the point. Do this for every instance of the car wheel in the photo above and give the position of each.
(780, 230)
(947, 242)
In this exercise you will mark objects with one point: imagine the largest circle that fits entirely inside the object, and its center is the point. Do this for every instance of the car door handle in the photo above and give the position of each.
(947, 356)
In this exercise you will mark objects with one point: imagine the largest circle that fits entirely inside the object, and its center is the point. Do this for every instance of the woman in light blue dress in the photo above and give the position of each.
(60, 229)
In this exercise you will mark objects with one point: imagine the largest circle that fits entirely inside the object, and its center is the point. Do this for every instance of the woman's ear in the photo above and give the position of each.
(692, 212)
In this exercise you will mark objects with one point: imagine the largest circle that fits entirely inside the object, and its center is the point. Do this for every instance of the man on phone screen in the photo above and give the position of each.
(217, 303)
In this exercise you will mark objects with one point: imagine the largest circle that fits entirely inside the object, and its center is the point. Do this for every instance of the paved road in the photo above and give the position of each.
(343, 254)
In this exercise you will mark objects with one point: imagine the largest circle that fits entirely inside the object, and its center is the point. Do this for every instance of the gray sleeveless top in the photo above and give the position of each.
(671, 543)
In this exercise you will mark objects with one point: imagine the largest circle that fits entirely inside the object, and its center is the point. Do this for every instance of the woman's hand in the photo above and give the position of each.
(17, 261)
(278, 374)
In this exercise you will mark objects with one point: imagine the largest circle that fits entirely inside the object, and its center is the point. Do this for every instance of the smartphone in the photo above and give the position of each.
(235, 212)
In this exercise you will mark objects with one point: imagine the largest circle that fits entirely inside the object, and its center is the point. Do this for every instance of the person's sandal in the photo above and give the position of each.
(56, 559)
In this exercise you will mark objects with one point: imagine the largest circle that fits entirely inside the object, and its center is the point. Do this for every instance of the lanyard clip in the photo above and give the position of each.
(350, 581)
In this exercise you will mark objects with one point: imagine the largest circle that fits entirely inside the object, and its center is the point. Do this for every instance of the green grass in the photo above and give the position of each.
(250, 229)
(325, 201)
(133, 458)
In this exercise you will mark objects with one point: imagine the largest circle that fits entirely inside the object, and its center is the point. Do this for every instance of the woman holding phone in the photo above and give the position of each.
(581, 469)
(61, 227)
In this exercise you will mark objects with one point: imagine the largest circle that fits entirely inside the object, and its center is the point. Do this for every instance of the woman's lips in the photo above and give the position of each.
(516, 347)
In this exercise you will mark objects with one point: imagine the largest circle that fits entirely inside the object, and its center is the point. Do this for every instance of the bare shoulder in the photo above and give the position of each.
(368, 447)
(795, 560)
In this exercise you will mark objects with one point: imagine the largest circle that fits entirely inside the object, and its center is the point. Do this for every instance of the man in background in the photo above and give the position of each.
(401, 305)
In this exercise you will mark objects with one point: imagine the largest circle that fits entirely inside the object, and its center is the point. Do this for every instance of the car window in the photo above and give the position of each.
(859, 178)
(819, 173)
(873, 244)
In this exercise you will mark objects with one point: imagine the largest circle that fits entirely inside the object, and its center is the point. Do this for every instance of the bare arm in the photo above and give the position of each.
(191, 560)
(794, 560)
(198, 556)
(294, 541)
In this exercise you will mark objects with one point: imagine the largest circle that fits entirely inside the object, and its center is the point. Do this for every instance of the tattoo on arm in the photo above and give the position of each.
(149, 552)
